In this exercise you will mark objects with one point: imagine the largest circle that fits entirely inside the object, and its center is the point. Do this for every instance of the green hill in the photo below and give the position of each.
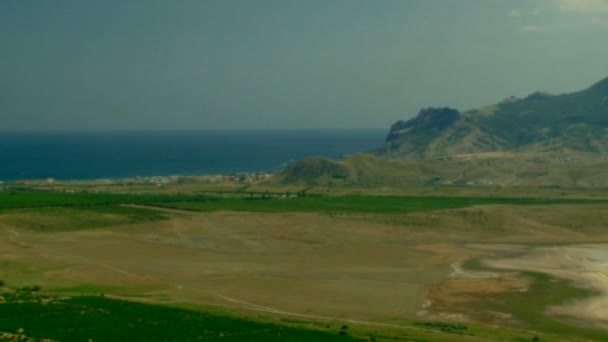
(314, 170)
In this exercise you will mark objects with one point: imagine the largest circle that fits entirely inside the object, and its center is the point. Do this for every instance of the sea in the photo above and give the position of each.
(124, 154)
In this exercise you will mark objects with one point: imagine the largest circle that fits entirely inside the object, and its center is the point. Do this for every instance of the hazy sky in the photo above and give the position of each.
(237, 64)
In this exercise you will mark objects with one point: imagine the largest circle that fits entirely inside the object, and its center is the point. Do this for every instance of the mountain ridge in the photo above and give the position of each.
(540, 122)
(541, 140)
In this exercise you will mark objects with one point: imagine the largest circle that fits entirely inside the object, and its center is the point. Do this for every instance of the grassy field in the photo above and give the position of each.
(108, 203)
(60, 211)
(29, 199)
(56, 219)
(29, 314)
(289, 262)
(56, 211)
(102, 319)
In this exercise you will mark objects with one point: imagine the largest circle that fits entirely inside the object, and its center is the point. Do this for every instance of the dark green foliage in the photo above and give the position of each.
(109, 203)
(102, 319)
(532, 339)
(445, 326)
(24, 294)
(344, 330)
(310, 169)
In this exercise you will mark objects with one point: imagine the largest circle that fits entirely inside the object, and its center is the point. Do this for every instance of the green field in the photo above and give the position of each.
(31, 314)
(332, 204)
(102, 319)
(360, 204)
(55, 219)
(28, 199)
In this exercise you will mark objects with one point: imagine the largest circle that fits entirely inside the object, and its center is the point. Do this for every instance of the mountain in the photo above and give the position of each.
(317, 169)
(539, 122)
(541, 140)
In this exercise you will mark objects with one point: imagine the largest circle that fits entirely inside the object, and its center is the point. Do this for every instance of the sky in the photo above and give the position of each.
(284, 64)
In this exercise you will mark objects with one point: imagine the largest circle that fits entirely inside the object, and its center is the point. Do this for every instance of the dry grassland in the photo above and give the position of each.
(379, 268)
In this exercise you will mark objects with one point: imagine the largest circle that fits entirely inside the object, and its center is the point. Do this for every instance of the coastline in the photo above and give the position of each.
(115, 156)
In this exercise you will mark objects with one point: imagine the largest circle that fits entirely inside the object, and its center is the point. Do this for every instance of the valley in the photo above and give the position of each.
(381, 273)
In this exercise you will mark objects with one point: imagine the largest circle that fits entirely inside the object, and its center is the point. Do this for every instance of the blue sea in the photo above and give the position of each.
(108, 155)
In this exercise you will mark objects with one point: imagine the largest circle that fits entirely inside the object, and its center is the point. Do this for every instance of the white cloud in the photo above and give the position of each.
(514, 14)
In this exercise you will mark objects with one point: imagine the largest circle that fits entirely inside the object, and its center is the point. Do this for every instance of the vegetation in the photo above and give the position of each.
(79, 204)
(315, 168)
(55, 219)
(529, 307)
(30, 315)
(445, 326)
(102, 319)
(361, 204)
(62, 211)
(539, 122)
(27, 199)
(420, 130)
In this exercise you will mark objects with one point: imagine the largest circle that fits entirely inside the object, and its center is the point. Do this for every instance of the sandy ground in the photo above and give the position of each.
(302, 263)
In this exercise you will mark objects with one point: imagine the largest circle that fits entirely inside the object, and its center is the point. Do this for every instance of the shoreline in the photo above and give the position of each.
(216, 178)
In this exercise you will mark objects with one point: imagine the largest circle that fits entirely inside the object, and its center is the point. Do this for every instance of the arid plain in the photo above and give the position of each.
(367, 269)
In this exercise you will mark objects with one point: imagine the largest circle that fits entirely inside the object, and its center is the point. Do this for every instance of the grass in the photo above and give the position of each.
(529, 308)
(109, 202)
(56, 211)
(56, 219)
(102, 319)
(545, 292)
(98, 318)
(33, 199)
(61, 211)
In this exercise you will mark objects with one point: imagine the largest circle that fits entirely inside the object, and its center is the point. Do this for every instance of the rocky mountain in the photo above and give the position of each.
(541, 140)
(540, 122)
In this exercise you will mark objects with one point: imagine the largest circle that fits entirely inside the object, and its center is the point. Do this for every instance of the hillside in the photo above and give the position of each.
(541, 140)
(538, 123)
(551, 170)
